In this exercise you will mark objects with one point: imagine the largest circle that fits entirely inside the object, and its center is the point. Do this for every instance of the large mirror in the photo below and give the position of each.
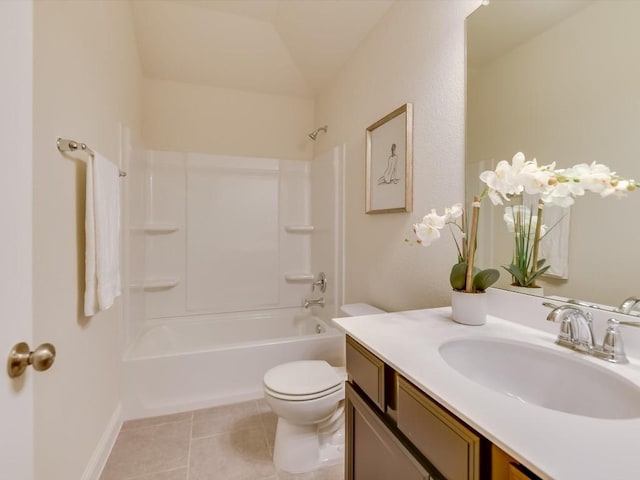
(560, 81)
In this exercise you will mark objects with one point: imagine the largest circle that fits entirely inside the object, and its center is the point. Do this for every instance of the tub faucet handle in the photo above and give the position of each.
(321, 282)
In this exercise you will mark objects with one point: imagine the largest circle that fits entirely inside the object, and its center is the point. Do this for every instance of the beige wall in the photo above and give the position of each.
(197, 118)
(571, 95)
(416, 54)
(87, 80)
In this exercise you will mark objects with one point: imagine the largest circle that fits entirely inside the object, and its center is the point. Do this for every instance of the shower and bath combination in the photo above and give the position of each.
(313, 135)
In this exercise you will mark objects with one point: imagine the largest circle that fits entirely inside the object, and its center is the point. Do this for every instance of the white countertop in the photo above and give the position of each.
(553, 444)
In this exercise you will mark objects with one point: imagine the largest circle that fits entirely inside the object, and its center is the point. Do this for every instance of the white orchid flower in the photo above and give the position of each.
(495, 197)
(505, 179)
(509, 220)
(594, 178)
(429, 230)
(425, 234)
(569, 180)
(618, 188)
(455, 211)
(536, 180)
(560, 194)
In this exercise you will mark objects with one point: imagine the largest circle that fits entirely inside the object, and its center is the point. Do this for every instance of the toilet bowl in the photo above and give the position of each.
(308, 398)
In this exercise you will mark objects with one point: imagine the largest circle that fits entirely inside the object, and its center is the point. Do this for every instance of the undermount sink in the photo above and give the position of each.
(543, 377)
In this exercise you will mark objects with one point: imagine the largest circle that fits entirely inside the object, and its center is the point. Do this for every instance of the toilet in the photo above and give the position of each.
(308, 398)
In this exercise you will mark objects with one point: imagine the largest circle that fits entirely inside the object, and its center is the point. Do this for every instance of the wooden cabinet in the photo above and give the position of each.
(452, 448)
(394, 431)
(367, 371)
(373, 451)
(505, 467)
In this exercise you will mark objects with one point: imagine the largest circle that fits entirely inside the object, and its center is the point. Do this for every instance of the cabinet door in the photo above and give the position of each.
(373, 452)
(449, 445)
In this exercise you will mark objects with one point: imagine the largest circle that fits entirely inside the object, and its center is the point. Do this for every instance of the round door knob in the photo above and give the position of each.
(42, 357)
(20, 357)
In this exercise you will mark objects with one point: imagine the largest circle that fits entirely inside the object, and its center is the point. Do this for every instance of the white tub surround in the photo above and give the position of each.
(208, 214)
(207, 360)
(554, 444)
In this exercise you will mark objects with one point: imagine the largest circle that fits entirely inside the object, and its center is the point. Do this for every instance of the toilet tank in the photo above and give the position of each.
(356, 309)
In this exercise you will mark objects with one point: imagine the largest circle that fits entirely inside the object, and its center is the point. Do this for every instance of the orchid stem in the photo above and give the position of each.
(464, 237)
(472, 245)
(536, 242)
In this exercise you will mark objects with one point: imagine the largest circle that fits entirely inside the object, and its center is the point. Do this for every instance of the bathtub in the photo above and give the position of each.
(186, 363)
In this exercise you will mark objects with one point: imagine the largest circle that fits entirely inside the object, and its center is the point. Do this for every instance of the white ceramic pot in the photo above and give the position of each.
(537, 291)
(469, 308)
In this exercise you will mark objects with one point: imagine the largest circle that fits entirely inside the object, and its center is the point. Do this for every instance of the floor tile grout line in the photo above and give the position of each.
(189, 450)
(225, 432)
(153, 473)
(128, 429)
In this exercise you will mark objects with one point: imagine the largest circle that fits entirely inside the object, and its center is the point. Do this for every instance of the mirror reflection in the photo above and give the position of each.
(560, 82)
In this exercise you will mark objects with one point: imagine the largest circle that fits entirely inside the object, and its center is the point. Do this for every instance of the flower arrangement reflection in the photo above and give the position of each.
(509, 181)
(552, 186)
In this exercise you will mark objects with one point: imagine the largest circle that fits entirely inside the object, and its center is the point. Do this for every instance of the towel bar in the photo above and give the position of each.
(66, 145)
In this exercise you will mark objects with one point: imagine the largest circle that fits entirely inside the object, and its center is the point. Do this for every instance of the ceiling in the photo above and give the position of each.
(503, 24)
(288, 47)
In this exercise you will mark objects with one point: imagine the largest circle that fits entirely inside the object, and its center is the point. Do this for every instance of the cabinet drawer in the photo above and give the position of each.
(367, 371)
(452, 448)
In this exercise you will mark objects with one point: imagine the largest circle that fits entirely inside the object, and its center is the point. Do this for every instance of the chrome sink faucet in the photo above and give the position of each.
(628, 304)
(576, 333)
(576, 327)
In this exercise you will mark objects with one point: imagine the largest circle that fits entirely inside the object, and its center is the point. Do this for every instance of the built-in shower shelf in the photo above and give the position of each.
(161, 228)
(299, 228)
(156, 284)
(299, 277)
(156, 228)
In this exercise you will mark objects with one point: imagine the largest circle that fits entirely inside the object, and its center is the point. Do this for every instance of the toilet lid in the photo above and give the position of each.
(303, 398)
(304, 377)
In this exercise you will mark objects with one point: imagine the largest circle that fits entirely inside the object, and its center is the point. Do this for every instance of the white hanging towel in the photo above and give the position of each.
(102, 230)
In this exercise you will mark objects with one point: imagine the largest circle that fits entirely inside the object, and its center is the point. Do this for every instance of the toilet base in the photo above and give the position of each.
(304, 448)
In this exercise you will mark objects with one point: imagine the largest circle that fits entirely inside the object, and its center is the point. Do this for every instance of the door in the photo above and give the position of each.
(16, 94)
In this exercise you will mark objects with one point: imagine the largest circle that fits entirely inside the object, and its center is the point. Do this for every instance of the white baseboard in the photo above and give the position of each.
(103, 449)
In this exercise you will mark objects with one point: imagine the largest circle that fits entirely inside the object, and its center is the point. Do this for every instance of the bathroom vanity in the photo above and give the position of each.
(394, 430)
(412, 413)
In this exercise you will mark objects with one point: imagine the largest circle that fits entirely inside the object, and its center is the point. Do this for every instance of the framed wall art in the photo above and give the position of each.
(389, 163)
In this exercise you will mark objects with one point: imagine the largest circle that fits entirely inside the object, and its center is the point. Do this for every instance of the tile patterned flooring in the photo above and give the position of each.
(232, 442)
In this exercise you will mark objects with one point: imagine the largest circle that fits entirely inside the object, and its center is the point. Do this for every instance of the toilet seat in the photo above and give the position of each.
(301, 398)
(303, 380)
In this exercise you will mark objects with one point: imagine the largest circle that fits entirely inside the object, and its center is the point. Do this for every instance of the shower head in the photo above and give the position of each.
(313, 135)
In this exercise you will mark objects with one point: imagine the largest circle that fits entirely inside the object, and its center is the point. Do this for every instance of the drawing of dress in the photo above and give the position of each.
(390, 174)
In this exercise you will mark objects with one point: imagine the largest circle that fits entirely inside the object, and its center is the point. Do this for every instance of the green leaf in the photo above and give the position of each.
(485, 278)
(535, 275)
(519, 275)
(458, 276)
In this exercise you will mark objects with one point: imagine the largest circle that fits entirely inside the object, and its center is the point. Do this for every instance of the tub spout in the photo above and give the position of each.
(309, 303)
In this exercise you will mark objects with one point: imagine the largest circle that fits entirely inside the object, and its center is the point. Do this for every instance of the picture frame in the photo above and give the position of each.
(389, 163)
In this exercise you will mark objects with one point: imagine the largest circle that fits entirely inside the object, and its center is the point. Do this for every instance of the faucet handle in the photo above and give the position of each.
(321, 282)
(612, 346)
(566, 330)
(550, 305)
